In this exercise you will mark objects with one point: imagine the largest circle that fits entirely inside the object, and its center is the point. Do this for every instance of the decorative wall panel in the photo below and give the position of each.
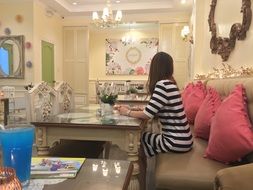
(130, 58)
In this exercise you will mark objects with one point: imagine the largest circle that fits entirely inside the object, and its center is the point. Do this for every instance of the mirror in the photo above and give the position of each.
(225, 45)
(12, 57)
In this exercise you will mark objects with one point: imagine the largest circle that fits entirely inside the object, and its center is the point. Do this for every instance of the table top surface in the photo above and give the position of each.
(89, 115)
(98, 174)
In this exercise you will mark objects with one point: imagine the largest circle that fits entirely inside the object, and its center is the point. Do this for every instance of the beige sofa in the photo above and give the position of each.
(190, 171)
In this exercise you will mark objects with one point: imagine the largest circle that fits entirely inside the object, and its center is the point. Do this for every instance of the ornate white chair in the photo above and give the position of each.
(65, 97)
(41, 102)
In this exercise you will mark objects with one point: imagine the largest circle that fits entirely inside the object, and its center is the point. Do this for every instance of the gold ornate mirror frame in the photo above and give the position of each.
(225, 45)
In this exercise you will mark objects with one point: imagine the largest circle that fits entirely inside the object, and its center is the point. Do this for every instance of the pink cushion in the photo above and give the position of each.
(187, 91)
(205, 113)
(231, 135)
(193, 99)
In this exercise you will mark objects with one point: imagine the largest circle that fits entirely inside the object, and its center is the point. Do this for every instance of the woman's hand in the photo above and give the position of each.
(137, 108)
(123, 110)
(118, 106)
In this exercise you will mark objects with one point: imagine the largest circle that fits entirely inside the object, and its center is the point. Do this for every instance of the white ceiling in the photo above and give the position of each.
(85, 7)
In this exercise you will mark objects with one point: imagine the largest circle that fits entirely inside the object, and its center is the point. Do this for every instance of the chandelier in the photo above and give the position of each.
(107, 20)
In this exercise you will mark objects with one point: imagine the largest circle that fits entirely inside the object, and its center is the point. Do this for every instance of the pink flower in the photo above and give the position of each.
(139, 70)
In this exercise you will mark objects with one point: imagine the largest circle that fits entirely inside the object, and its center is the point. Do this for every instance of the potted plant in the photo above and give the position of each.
(132, 90)
(108, 96)
(108, 99)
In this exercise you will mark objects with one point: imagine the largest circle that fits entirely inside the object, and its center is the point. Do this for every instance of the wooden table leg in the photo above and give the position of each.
(133, 156)
(143, 168)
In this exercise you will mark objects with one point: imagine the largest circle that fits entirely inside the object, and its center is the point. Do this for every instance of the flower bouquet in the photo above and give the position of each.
(108, 93)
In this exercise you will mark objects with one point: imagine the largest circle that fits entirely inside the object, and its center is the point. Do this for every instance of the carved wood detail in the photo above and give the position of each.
(225, 45)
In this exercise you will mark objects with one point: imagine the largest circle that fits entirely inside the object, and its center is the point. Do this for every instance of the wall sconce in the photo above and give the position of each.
(186, 34)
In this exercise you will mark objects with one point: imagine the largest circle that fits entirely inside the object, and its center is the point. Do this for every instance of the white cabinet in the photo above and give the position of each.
(76, 62)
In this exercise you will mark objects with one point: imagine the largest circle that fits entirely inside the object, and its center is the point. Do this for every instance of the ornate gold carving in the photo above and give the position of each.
(227, 71)
(225, 45)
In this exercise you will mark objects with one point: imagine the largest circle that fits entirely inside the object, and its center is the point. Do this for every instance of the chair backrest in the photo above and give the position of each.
(41, 102)
(97, 85)
(8, 91)
(65, 97)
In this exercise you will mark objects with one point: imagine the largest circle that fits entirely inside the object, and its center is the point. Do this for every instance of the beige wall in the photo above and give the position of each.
(36, 26)
(97, 52)
(97, 42)
(8, 12)
(49, 29)
(226, 14)
(97, 39)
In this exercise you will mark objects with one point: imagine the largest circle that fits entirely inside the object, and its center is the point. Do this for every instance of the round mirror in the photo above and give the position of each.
(11, 57)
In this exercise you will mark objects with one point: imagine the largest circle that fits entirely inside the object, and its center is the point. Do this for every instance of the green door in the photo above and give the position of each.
(47, 62)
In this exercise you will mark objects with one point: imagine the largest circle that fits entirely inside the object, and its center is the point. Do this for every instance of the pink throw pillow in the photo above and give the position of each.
(205, 113)
(231, 135)
(187, 91)
(193, 100)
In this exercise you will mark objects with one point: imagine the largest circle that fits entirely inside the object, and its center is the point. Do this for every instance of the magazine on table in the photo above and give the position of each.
(55, 167)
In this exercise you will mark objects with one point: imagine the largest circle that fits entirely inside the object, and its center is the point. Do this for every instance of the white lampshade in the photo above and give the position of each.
(185, 31)
(105, 13)
(94, 16)
(118, 16)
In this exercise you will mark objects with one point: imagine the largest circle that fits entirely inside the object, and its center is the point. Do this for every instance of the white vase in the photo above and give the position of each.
(106, 109)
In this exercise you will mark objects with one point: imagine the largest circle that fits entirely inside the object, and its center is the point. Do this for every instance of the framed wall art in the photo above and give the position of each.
(133, 58)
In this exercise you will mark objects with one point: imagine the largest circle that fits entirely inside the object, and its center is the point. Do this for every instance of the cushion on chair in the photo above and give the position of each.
(175, 171)
(234, 178)
(192, 99)
(205, 114)
(187, 91)
(231, 135)
(190, 171)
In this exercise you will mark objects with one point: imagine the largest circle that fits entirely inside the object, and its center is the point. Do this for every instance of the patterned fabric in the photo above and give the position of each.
(166, 103)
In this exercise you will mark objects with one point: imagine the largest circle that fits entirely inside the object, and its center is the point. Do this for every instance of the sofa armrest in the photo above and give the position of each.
(234, 178)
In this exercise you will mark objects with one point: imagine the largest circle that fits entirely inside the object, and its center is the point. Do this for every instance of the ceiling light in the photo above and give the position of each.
(74, 3)
(107, 20)
(183, 1)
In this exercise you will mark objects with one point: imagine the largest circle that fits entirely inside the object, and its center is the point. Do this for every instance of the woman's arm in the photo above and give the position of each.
(131, 113)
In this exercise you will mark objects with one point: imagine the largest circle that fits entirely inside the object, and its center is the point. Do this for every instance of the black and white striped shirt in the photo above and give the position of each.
(166, 103)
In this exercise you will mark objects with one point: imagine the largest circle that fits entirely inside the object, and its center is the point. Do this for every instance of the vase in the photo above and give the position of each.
(8, 179)
(106, 109)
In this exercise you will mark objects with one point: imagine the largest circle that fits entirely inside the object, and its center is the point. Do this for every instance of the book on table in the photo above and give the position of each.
(55, 167)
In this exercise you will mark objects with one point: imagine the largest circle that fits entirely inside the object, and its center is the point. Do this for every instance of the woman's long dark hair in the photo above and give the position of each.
(161, 68)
